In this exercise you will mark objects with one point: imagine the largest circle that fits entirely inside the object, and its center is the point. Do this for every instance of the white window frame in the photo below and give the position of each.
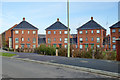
(16, 41)
(34, 32)
(113, 47)
(98, 46)
(65, 46)
(49, 40)
(22, 39)
(16, 46)
(65, 40)
(92, 39)
(28, 32)
(22, 32)
(113, 39)
(54, 32)
(81, 39)
(49, 32)
(81, 46)
(34, 46)
(113, 30)
(98, 39)
(60, 32)
(98, 31)
(80, 32)
(16, 32)
(86, 32)
(34, 40)
(92, 31)
(65, 32)
(60, 39)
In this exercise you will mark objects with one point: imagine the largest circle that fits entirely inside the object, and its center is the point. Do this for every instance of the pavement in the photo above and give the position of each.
(13, 68)
(102, 65)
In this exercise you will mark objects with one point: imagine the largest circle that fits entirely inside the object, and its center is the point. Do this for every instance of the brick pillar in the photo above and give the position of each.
(118, 49)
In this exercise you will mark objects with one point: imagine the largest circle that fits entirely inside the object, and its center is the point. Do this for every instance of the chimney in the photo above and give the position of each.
(23, 18)
(91, 18)
(57, 19)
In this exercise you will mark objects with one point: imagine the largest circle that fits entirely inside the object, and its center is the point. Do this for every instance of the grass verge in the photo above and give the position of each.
(6, 54)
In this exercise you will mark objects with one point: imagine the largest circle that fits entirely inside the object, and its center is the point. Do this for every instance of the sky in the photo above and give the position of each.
(44, 14)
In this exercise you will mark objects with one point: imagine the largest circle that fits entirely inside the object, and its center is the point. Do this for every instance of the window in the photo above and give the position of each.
(60, 32)
(119, 30)
(65, 32)
(86, 39)
(60, 39)
(54, 39)
(54, 45)
(34, 40)
(81, 39)
(92, 46)
(49, 32)
(28, 32)
(22, 45)
(76, 46)
(22, 39)
(16, 32)
(113, 39)
(22, 32)
(92, 39)
(16, 46)
(80, 32)
(65, 41)
(98, 40)
(34, 46)
(98, 31)
(28, 39)
(113, 30)
(54, 32)
(34, 32)
(28, 45)
(92, 31)
(98, 46)
(65, 46)
(114, 47)
(81, 46)
(16, 40)
(49, 40)
(86, 32)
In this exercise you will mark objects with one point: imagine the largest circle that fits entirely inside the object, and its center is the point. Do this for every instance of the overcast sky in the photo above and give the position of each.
(43, 14)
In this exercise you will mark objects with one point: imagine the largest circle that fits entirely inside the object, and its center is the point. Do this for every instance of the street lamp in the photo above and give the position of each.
(68, 50)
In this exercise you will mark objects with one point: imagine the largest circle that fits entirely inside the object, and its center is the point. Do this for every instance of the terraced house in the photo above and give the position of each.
(57, 35)
(90, 35)
(22, 35)
(114, 34)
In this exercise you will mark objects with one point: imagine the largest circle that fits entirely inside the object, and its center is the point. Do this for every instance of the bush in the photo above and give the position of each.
(62, 52)
(43, 49)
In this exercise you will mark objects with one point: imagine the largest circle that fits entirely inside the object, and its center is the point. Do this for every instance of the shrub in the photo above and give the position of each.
(62, 52)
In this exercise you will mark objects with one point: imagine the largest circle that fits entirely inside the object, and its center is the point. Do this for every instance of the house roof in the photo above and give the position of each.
(57, 26)
(116, 25)
(91, 25)
(24, 25)
(41, 36)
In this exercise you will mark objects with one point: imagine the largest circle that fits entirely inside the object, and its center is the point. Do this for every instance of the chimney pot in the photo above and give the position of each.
(91, 18)
(23, 18)
(57, 19)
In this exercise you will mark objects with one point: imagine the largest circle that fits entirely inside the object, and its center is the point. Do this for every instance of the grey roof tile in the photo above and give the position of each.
(116, 25)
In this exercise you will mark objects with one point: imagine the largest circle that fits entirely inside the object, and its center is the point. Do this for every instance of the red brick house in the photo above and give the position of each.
(114, 34)
(22, 35)
(0, 41)
(56, 35)
(90, 35)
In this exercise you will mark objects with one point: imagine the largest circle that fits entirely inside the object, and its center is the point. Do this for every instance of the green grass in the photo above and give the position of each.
(6, 54)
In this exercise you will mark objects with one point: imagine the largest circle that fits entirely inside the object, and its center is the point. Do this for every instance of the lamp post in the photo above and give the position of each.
(68, 50)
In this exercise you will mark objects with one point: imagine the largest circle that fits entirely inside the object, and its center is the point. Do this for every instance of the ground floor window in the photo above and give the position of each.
(60, 45)
(92, 46)
(16, 46)
(34, 46)
(81, 46)
(28, 45)
(114, 47)
(98, 46)
(54, 45)
(65, 46)
(86, 46)
(22, 45)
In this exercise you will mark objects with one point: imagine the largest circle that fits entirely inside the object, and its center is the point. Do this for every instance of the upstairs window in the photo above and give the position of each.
(86, 31)
(92, 39)
(54, 32)
(98, 31)
(49, 32)
(54, 39)
(60, 39)
(113, 30)
(34, 32)
(22, 32)
(92, 31)
(65, 41)
(34, 40)
(81, 39)
(28, 39)
(65, 32)
(119, 30)
(49, 40)
(80, 32)
(98, 40)
(28, 32)
(60, 32)
(86, 39)
(16, 32)
(22, 39)
(16, 40)
(113, 39)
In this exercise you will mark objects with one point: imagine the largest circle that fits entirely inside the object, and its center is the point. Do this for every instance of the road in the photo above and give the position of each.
(105, 65)
(12, 68)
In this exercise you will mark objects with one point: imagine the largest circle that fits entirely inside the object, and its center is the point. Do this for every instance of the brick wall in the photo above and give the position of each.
(116, 34)
(89, 35)
(0, 40)
(25, 36)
